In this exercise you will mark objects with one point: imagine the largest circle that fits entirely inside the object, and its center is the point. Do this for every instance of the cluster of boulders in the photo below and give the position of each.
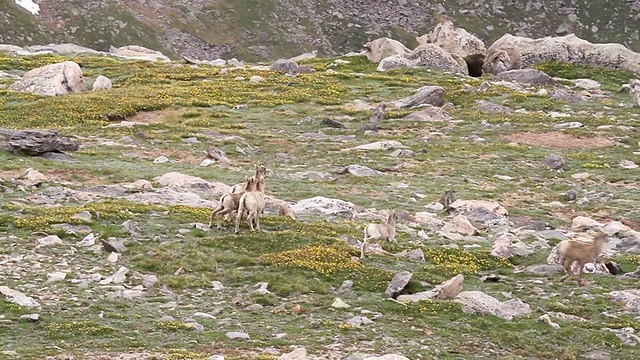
(57, 79)
(454, 49)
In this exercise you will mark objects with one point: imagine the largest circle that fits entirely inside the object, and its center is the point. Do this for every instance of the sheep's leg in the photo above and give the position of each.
(258, 221)
(250, 219)
(238, 219)
(579, 277)
(226, 213)
(566, 264)
(214, 213)
(363, 249)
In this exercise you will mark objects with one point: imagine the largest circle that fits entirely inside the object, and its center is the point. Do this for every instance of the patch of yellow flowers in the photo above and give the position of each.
(326, 260)
(451, 262)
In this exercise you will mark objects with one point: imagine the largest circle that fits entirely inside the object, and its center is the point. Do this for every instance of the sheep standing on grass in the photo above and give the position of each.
(580, 253)
(384, 231)
(252, 202)
(229, 203)
(237, 190)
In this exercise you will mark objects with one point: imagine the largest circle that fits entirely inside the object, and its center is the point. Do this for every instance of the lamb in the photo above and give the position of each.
(384, 231)
(252, 202)
(580, 253)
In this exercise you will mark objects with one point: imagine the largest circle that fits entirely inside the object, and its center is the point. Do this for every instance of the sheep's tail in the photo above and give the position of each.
(241, 206)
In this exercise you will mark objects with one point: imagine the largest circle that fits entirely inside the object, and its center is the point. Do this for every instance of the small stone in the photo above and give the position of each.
(237, 335)
(416, 255)
(161, 160)
(30, 317)
(87, 241)
(197, 327)
(56, 276)
(203, 315)
(167, 318)
(255, 307)
(207, 162)
(339, 304)
(596, 355)
(297, 354)
(113, 257)
(18, 297)
(346, 286)
(628, 164)
(397, 284)
(50, 240)
(256, 79)
(84, 216)
(216, 285)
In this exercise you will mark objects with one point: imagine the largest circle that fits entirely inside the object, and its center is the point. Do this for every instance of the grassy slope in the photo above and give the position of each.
(70, 321)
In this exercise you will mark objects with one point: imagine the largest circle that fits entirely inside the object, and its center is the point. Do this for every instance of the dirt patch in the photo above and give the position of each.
(186, 157)
(559, 140)
(150, 117)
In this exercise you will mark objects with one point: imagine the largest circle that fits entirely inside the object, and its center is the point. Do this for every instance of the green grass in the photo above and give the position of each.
(304, 261)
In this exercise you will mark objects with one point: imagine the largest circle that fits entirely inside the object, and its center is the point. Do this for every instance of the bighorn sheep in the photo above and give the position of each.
(261, 170)
(229, 202)
(259, 175)
(252, 202)
(578, 252)
(384, 231)
(286, 210)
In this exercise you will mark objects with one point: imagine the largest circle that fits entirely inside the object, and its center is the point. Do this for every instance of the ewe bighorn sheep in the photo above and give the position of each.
(261, 170)
(260, 173)
(578, 252)
(229, 203)
(252, 202)
(384, 231)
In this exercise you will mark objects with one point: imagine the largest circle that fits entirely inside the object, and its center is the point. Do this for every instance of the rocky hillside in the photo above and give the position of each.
(264, 29)
(111, 168)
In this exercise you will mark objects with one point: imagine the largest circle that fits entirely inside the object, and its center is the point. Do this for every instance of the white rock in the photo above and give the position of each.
(460, 225)
(477, 301)
(113, 257)
(87, 241)
(56, 276)
(101, 83)
(545, 319)
(339, 304)
(161, 159)
(256, 79)
(237, 335)
(51, 80)
(297, 354)
(204, 315)
(379, 145)
(387, 357)
(50, 240)
(628, 164)
(581, 223)
(18, 297)
(587, 84)
(207, 162)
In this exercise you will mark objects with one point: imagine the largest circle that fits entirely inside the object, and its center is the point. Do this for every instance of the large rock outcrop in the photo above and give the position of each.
(515, 52)
(454, 40)
(379, 49)
(427, 55)
(52, 80)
